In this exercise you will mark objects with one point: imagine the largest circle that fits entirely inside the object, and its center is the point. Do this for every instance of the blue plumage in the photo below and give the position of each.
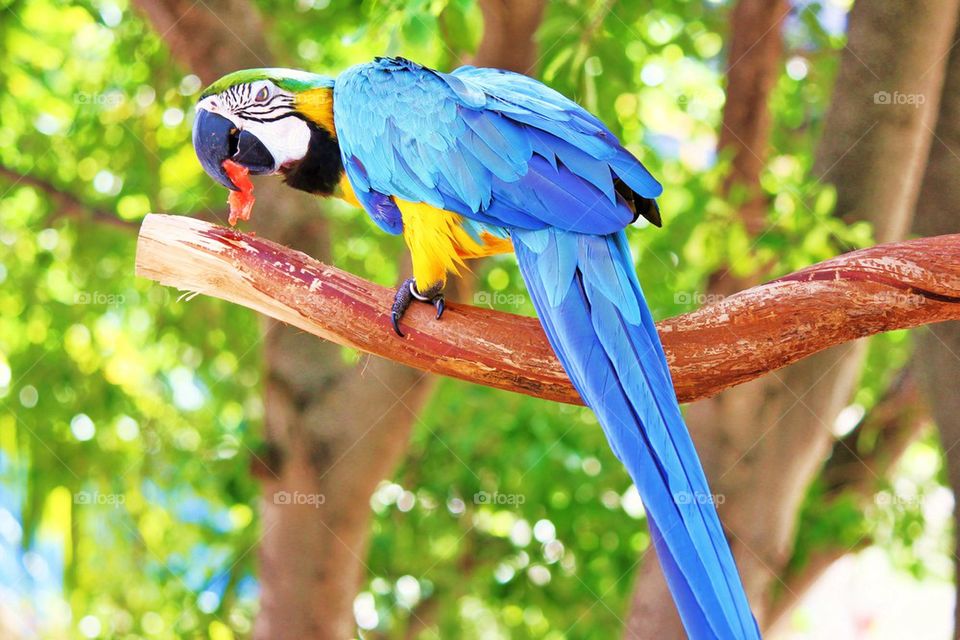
(513, 156)
(465, 142)
(592, 308)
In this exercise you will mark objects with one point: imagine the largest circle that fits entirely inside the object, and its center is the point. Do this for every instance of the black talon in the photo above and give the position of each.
(401, 301)
(395, 319)
(407, 293)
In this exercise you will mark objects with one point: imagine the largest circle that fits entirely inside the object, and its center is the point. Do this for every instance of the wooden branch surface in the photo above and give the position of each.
(892, 286)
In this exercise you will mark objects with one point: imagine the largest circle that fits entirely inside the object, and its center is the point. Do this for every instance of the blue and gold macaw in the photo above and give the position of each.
(482, 161)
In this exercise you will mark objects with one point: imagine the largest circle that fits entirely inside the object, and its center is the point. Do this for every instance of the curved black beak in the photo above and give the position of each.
(215, 139)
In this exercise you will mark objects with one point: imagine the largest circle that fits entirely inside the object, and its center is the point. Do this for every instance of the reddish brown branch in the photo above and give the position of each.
(893, 286)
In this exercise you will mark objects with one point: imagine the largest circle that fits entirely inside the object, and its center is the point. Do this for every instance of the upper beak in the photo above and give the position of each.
(215, 139)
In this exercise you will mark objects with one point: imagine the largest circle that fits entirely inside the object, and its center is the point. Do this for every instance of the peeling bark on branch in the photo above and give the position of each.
(886, 287)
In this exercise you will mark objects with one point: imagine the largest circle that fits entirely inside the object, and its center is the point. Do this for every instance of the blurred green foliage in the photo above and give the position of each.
(130, 416)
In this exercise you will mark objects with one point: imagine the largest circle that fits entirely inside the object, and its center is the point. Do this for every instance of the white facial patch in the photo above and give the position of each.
(286, 139)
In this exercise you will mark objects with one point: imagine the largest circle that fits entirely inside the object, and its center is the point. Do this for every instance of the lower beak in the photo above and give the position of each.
(216, 139)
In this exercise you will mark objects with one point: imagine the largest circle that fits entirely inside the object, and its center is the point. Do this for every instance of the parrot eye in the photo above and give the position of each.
(262, 95)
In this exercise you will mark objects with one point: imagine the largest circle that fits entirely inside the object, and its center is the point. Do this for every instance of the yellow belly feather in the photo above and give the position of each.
(439, 244)
(436, 238)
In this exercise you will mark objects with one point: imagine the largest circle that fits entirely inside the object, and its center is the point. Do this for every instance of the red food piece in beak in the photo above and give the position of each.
(241, 202)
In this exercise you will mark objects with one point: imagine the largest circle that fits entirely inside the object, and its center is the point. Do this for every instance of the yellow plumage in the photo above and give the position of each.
(436, 238)
(439, 244)
(345, 192)
(317, 104)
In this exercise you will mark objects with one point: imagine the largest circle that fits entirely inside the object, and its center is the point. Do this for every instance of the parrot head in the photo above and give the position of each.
(270, 121)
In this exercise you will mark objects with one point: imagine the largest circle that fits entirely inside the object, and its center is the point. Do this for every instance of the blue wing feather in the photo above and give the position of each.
(422, 135)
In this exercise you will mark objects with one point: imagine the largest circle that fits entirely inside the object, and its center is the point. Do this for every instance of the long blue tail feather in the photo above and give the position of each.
(591, 306)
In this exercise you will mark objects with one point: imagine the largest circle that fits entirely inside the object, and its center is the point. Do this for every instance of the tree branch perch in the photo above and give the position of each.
(891, 286)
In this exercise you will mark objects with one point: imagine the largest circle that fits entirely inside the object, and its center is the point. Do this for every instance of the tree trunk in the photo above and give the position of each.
(764, 442)
(938, 348)
(332, 430)
(509, 28)
(753, 64)
(878, 130)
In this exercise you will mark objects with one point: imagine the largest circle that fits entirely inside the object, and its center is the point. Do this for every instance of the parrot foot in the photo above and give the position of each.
(407, 293)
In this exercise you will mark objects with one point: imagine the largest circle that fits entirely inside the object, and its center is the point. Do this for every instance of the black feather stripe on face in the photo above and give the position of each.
(278, 106)
(321, 168)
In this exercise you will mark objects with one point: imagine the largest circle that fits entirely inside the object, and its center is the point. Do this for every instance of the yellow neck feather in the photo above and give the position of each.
(317, 104)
